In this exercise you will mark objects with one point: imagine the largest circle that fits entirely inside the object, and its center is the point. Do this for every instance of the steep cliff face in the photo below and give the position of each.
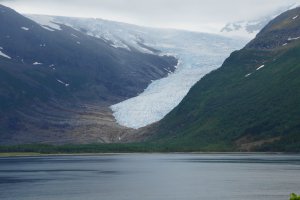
(250, 103)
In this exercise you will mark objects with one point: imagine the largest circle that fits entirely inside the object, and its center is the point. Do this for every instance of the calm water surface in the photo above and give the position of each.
(150, 177)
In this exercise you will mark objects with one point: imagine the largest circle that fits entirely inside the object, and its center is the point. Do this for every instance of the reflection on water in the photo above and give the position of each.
(150, 177)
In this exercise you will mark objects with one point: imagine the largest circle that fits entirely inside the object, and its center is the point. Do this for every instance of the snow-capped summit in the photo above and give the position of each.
(119, 35)
(249, 28)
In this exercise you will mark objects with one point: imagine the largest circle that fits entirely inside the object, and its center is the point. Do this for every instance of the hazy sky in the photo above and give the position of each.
(197, 15)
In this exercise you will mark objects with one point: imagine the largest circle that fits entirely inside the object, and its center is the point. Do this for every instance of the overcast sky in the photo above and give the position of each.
(197, 15)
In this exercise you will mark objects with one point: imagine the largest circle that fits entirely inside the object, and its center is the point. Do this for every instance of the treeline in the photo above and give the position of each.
(149, 147)
(94, 148)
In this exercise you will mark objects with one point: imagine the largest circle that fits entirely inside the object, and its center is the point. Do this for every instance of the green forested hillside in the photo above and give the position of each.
(251, 103)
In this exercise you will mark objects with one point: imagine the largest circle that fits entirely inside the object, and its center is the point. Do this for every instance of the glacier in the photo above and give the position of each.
(197, 53)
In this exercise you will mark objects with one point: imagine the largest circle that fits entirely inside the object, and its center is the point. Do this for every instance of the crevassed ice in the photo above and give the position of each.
(197, 57)
(199, 53)
(158, 99)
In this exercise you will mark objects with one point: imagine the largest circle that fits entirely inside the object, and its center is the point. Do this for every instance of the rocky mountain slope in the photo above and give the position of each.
(56, 83)
(250, 103)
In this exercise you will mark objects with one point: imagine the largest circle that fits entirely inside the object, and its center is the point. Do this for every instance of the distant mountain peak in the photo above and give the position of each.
(249, 28)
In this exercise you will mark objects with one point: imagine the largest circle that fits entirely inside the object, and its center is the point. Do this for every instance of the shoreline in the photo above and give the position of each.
(34, 154)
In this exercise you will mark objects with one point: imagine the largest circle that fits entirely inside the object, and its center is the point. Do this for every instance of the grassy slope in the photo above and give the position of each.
(226, 110)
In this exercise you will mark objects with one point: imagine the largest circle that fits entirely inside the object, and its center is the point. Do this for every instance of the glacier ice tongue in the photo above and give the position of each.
(158, 99)
(199, 54)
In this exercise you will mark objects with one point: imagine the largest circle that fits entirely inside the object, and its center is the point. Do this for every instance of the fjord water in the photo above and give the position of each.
(150, 177)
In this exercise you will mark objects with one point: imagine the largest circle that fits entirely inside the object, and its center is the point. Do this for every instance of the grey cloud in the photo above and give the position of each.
(187, 14)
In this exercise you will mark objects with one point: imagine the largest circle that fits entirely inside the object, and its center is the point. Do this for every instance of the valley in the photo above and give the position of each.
(197, 54)
(85, 81)
(149, 100)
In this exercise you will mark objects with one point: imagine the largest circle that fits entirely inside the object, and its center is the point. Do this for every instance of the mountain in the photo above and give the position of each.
(245, 28)
(250, 103)
(249, 28)
(198, 54)
(57, 84)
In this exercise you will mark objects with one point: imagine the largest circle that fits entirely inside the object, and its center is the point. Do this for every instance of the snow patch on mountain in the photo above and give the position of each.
(45, 21)
(25, 28)
(291, 39)
(3, 54)
(65, 84)
(247, 75)
(116, 34)
(260, 67)
(74, 35)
